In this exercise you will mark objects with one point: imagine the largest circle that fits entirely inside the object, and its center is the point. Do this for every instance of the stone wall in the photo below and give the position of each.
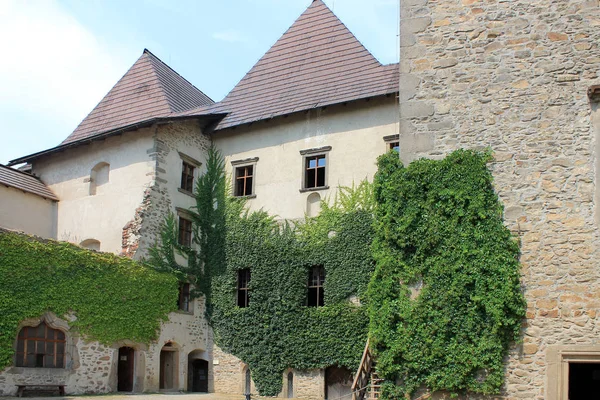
(513, 76)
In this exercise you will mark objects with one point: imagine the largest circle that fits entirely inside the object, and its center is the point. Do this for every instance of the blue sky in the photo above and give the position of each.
(59, 58)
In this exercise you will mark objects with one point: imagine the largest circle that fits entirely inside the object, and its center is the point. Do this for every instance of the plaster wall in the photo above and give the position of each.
(513, 76)
(26, 212)
(82, 216)
(354, 131)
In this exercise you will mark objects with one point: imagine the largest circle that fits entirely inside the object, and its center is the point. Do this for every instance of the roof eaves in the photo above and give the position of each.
(50, 196)
(110, 133)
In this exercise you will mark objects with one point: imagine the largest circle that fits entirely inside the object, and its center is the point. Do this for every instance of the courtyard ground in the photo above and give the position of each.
(142, 396)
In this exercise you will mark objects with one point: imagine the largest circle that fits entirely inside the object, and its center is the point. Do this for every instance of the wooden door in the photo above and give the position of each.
(125, 369)
(200, 376)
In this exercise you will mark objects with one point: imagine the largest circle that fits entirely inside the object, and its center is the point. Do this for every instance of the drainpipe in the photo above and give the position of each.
(399, 71)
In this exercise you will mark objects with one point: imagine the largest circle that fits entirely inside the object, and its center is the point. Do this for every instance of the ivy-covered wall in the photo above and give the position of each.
(278, 330)
(112, 298)
(445, 298)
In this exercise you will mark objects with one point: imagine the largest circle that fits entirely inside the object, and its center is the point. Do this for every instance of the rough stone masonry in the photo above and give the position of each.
(513, 76)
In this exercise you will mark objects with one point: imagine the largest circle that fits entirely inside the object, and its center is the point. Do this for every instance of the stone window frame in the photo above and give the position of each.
(558, 359)
(184, 299)
(70, 354)
(195, 164)
(310, 153)
(183, 214)
(238, 164)
(390, 141)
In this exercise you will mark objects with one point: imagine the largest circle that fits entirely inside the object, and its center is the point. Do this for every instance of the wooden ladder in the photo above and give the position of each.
(366, 385)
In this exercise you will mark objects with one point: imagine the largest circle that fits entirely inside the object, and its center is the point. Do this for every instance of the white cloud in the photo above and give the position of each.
(51, 65)
(231, 36)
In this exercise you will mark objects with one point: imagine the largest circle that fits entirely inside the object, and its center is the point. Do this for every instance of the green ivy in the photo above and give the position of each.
(113, 298)
(445, 300)
(278, 331)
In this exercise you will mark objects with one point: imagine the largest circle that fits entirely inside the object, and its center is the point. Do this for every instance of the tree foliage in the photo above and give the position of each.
(445, 299)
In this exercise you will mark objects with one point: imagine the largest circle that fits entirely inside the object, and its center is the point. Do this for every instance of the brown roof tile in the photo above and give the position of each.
(24, 181)
(317, 62)
(149, 89)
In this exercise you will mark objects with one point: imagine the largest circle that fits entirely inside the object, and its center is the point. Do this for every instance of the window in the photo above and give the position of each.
(316, 278)
(392, 142)
(40, 347)
(314, 175)
(314, 164)
(244, 173)
(243, 295)
(183, 302)
(243, 180)
(187, 176)
(185, 232)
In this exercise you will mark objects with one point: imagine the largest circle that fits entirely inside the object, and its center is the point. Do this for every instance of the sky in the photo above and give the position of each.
(58, 58)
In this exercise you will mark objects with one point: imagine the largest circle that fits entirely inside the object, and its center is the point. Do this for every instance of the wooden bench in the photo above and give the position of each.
(59, 388)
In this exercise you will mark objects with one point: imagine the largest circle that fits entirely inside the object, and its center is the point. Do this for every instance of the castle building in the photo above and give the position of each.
(519, 77)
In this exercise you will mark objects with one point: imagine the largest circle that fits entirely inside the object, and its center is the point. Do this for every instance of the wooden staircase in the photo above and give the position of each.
(366, 385)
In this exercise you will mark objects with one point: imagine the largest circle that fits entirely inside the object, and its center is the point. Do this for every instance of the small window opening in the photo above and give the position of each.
(183, 302)
(99, 176)
(185, 232)
(316, 279)
(243, 180)
(247, 382)
(314, 175)
(243, 295)
(91, 244)
(394, 146)
(187, 177)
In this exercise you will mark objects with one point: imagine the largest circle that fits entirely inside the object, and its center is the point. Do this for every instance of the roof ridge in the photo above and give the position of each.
(154, 57)
(151, 57)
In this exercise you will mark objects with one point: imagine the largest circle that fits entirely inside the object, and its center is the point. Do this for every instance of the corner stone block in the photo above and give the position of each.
(416, 109)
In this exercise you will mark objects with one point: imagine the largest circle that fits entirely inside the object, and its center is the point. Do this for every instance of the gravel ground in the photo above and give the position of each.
(142, 396)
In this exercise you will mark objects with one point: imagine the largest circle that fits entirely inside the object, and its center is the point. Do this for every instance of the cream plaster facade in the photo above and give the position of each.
(101, 217)
(27, 212)
(354, 132)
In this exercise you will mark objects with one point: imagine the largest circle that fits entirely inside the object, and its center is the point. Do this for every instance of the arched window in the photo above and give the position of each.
(98, 176)
(313, 204)
(91, 244)
(290, 385)
(40, 347)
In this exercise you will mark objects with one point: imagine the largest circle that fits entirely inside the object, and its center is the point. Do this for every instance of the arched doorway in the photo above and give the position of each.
(290, 385)
(169, 357)
(198, 376)
(125, 369)
(338, 382)
(247, 382)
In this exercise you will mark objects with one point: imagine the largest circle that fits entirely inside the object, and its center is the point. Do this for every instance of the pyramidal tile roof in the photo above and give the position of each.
(317, 62)
(149, 89)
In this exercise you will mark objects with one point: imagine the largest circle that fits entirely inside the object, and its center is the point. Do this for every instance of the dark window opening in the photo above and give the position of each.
(243, 180)
(187, 177)
(316, 278)
(584, 380)
(314, 174)
(395, 146)
(40, 347)
(243, 295)
(185, 232)
(183, 302)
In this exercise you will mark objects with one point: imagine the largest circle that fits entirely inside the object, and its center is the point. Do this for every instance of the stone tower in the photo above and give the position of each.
(518, 77)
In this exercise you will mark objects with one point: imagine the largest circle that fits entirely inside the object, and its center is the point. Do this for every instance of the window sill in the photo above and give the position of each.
(314, 189)
(180, 190)
(250, 196)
